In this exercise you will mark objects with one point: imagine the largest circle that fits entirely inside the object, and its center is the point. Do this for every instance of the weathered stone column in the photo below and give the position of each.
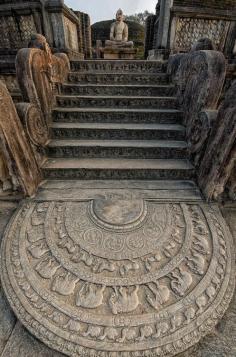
(164, 22)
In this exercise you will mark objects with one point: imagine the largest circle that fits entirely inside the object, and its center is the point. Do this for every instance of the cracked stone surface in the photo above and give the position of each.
(115, 275)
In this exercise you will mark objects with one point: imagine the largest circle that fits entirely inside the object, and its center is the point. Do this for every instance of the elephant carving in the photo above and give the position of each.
(122, 301)
(90, 296)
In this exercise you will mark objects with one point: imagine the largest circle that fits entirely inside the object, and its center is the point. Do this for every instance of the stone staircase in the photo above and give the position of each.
(117, 120)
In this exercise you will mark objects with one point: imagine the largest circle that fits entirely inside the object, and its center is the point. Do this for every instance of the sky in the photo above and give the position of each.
(105, 9)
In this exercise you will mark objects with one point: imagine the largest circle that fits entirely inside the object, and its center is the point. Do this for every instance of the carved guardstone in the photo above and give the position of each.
(118, 278)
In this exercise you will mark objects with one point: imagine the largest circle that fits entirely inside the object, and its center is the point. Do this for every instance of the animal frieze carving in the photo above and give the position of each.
(196, 263)
(181, 281)
(47, 268)
(38, 249)
(90, 296)
(161, 295)
(64, 284)
(201, 245)
(122, 300)
(116, 302)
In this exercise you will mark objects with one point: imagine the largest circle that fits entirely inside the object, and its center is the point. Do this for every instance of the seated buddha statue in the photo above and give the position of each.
(119, 33)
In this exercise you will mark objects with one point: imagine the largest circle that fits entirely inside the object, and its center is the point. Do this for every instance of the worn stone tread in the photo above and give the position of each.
(68, 96)
(118, 126)
(117, 110)
(119, 143)
(121, 164)
(116, 184)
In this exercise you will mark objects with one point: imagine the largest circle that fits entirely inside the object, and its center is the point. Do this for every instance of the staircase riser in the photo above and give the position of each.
(125, 103)
(111, 117)
(118, 66)
(110, 134)
(117, 152)
(124, 78)
(123, 91)
(85, 174)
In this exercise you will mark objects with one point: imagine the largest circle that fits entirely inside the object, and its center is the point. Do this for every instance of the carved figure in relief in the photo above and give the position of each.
(129, 266)
(161, 295)
(119, 32)
(64, 284)
(176, 321)
(104, 266)
(122, 300)
(73, 325)
(201, 302)
(189, 314)
(47, 268)
(110, 333)
(196, 263)
(93, 331)
(182, 280)
(145, 332)
(90, 296)
(128, 334)
(201, 245)
(38, 249)
(161, 329)
(211, 292)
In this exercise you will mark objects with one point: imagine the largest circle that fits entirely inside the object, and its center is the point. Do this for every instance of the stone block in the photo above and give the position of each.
(119, 53)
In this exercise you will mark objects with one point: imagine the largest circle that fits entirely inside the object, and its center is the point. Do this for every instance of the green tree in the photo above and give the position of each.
(140, 18)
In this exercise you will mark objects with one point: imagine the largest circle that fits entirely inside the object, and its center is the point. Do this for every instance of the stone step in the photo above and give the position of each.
(106, 131)
(117, 102)
(74, 190)
(122, 90)
(118, 66)
(118, 78)
(114, 115)
(132, 149)
(120, 169)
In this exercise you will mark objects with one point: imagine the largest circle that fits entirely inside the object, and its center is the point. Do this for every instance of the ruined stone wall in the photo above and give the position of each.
(191, 20)
(84, 34)
(217, 4)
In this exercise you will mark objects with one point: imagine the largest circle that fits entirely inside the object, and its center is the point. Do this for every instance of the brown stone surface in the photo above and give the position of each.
(37, 69)
(217, 168)
(18, 153)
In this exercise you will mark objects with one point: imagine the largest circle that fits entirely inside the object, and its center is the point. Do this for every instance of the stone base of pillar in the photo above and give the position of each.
(158, 55)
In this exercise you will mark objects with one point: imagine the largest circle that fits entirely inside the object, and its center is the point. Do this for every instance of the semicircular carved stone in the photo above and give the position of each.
(33, 123)
(117, 278)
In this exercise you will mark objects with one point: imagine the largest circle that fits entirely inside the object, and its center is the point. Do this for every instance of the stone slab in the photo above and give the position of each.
(118, 276)
(152, 190)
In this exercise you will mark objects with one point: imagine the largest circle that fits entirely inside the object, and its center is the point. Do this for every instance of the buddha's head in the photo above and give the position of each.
(119, 15)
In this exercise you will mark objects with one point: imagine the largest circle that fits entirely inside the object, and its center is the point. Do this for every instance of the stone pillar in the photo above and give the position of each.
(149, 34)
(164, 24)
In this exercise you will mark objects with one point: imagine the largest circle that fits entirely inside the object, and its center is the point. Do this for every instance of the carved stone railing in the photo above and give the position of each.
(211, 130)
(39, 73)
(19, 168)
(24, 128)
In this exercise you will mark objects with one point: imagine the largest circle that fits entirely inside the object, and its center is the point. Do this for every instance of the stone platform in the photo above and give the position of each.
(109, 273)
(112, 53)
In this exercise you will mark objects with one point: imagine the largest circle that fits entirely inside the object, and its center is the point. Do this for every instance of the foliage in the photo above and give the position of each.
(140, 18)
